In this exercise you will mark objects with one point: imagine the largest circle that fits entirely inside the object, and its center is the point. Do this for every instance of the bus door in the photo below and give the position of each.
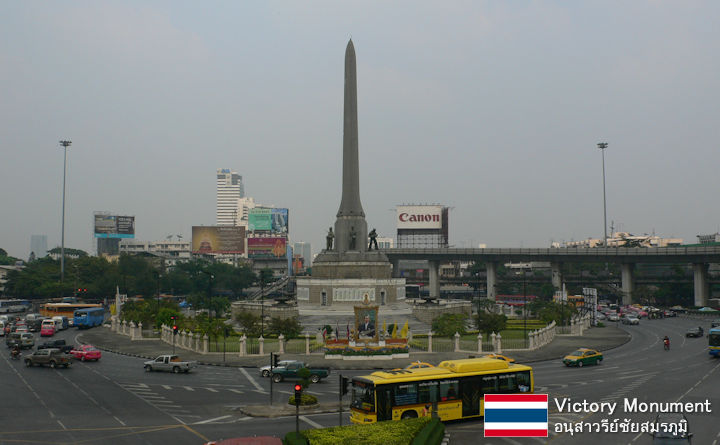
(384, 402)
(471, 390)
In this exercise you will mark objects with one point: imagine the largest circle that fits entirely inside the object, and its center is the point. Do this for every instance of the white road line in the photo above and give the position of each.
(236, 391)
(212, 420)
(167, 386)
(188, 388)
(121, 422)
(251, 379)
(63, 426)
(212, 390)
(311, 423)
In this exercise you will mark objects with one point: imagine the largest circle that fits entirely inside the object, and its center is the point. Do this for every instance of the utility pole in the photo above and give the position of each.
(65, 145)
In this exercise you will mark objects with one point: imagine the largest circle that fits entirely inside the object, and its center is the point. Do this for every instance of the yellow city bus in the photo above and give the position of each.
(458, 387)
(66, 309)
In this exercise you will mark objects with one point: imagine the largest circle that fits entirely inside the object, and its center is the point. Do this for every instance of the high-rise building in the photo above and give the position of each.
(38, 245)
(229, 190)
(304, 250)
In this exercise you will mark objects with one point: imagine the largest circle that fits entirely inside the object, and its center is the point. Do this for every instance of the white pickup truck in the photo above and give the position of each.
(169, 363)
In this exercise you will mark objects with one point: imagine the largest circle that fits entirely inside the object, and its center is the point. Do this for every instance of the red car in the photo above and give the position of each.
(86, 352)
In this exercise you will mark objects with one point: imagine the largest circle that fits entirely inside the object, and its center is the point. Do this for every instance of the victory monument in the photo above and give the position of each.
(348, 272)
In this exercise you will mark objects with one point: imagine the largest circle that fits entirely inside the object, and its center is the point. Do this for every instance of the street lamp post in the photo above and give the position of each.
(157, 313)
(65, 145)
(602, 146)
(525, 311)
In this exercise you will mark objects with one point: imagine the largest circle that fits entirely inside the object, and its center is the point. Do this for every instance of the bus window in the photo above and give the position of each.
(363, 396)
(427, 392)
(489, 384)
(406, 394)
(523, 381)
(507, 383)
(449, 390)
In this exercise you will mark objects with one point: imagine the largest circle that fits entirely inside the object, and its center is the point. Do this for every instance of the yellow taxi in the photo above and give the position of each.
(501, 357)
(583, 356)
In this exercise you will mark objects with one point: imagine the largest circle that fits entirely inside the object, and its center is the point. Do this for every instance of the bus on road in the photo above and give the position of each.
(51, 310)
(456, 387)
(714, 342)
(88, 318)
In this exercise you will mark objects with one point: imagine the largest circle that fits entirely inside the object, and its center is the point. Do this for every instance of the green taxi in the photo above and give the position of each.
(583, 356)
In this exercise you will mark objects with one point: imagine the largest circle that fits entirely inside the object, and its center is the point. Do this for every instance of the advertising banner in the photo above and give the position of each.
(260, 219)
(279, 220)
(419, 217)
(218, 239)
(267, 247)
(113, 226)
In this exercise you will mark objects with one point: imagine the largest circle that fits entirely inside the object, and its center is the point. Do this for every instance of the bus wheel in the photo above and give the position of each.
(409, 415)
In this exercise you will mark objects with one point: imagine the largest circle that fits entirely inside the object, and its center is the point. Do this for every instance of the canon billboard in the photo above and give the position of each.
(419, 217)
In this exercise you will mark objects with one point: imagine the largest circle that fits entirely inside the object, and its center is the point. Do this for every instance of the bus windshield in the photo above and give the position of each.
(714, 339)
(363, 396)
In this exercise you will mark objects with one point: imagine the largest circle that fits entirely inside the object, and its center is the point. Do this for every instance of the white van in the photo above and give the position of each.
(61, 322)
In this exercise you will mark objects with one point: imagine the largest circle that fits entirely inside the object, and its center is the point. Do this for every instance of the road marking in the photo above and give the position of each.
(212, 390)
(188, 388)
(311, 423)
(59, 422)
(251, 380)
(236, 391)
(212, 420)
(121, 422)
(167, 386)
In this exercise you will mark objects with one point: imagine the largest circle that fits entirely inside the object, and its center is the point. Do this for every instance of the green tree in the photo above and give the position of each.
(249, 323)
(489, 322)
(447, 325)
(289, 327)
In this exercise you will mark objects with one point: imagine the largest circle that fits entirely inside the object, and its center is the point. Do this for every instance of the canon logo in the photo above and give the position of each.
(405, 217)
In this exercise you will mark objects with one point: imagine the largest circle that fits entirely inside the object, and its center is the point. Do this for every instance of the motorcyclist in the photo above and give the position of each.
(666, 342)
(15, 352)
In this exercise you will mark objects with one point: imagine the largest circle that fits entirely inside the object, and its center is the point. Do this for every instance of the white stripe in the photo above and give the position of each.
(310, 422)
(516, 405)
(212, 420)
(252, 380)
(516, 426)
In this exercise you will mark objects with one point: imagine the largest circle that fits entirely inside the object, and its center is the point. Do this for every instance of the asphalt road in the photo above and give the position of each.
(114, 401)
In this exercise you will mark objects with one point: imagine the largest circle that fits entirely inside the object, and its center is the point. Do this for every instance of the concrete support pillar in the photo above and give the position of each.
(307, 344)
(395, 268)
(434, 274)
(499, 343)
(261, 342)
(206, 344)
(628, 283)
(557, 275)
(493, 341)
(430, 334)
(457, 342)
(281, 344)
(479, 338)
(702, 289)
(243, 346)
(491, 280)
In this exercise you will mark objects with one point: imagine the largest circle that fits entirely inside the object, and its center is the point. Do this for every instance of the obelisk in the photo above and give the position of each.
(350, 225)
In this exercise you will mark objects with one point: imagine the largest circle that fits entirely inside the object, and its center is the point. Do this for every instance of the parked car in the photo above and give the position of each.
(715, 323)
(695, 332)
(57, 344)
(52, 357)
(86, 352)
(291, 372)
(169, 363)
(583, 356)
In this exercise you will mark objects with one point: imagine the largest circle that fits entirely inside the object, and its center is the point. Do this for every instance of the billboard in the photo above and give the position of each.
(267, 247)
(419, 217)
(270, 220)
(218, 239)
(114, 226)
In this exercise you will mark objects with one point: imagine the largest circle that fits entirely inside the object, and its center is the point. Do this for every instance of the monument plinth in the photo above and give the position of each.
(346, 271)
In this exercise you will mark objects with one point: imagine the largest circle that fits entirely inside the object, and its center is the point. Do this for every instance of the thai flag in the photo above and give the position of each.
(516, 415)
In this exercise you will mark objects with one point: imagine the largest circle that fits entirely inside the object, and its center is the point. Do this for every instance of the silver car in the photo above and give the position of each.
(265, 370)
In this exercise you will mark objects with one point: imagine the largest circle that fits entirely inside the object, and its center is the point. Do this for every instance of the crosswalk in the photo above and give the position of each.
(237, 389)
(157, 400)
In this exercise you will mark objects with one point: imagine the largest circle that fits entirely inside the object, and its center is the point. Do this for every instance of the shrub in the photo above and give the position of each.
(391, 432)
(305, 399)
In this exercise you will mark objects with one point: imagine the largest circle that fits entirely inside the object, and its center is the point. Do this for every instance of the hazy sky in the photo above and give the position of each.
(491, 108)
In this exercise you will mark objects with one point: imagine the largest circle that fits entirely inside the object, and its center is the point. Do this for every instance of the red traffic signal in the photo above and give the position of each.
(175, 329)
(298, 394)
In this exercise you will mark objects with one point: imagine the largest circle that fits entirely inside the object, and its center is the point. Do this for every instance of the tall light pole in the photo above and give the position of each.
(602, 146)
(65, 145)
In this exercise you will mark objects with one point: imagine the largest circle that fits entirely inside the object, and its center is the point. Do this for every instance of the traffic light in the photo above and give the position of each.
(175, 328)
(298, 394)
(274, 360)
(344, 385)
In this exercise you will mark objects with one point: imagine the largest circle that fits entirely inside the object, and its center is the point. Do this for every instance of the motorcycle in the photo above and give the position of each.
(15, 354)
(666, 345)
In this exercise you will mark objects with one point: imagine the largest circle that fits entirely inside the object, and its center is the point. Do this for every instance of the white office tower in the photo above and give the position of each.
(244, 205)
(38, 245)
(229, 190)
